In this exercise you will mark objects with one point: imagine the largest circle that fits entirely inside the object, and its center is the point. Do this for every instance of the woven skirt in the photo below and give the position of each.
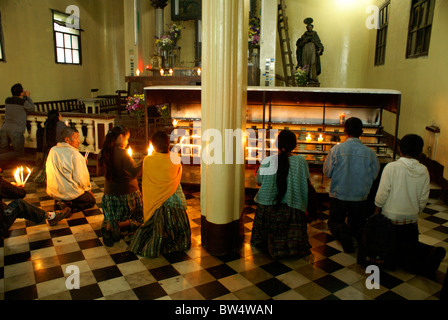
(168, 230)
(121, 208)
(280, 230)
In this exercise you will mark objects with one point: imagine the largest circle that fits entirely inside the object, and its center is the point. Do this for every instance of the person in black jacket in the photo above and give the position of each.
(22, 209)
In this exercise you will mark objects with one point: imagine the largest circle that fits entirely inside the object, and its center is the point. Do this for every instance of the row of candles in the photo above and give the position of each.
(181, 143)
(170, 72)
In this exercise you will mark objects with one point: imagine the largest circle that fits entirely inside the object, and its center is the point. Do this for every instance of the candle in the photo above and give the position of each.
(320, 139)
(148, 67)
(342, 118)
(162, 72)
(29, 173)
(150, 149)
(138, 72)
(171, 72)
(175, 122)
(199, 71)
(18, 175)
(130, 152)
(308, 138)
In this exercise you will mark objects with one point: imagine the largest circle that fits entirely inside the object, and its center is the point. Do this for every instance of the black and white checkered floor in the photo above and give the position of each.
(34, 260)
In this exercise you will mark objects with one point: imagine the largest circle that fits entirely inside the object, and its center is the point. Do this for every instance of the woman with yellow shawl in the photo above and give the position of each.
(166, 227)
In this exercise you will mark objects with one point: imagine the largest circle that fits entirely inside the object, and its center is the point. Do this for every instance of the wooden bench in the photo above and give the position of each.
(111, 103)
(71, 105)
(114, 102)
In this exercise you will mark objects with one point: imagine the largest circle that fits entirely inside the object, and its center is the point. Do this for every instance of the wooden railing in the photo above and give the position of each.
(92, 128)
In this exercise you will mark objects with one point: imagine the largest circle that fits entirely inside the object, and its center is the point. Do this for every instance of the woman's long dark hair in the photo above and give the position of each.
(106, 162)
(287, 141)
(50, 128)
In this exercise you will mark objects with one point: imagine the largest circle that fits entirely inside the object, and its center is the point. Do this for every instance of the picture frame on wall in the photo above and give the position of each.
(183, 10)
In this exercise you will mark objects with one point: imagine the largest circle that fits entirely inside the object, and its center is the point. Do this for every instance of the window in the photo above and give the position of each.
(2, 54)
(67, 39)
(381, 37)
(420, 25)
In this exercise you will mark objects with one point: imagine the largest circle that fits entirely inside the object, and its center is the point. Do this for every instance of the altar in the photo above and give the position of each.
(180, 77)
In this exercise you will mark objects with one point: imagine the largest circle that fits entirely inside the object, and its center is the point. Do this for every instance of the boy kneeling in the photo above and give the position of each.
(402, 194)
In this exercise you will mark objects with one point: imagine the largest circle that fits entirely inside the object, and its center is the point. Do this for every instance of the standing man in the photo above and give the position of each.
(14, 126)
(68, 178)
(352, 168)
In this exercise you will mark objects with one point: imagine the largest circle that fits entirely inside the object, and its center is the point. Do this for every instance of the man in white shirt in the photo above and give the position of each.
(68, 178)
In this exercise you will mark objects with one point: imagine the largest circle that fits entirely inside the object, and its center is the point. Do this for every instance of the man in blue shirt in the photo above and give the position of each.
(352, 168)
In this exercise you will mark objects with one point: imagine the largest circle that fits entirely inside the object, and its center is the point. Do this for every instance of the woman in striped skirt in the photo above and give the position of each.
(122, 199)
(280, 224)
(166, 226)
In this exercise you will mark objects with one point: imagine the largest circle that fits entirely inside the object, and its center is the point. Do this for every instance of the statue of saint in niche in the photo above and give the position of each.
(309, 50)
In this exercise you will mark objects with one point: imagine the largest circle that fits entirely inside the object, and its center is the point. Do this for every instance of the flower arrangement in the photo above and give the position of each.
(136, 104)
(170, 38)
(174, 32)
(254, 32)
(301, 76)
(164, 111)
(164, 43)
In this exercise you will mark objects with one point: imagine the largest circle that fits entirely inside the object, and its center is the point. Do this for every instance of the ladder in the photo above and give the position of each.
(285, 46)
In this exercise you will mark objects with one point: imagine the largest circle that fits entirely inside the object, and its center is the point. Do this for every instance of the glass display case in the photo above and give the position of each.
(316, 115)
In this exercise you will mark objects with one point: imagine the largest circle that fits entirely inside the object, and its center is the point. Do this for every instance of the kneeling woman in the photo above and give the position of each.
(280, 224)
(166, 227)
(122, 200)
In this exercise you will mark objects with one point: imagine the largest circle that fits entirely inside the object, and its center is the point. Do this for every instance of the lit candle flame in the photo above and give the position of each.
(162, 72)
(29, 173)
(138, 72)
(320, 139)
(130, 152)
(150, 149)
(175, 122)
(171, 72)
(308, 138)
(18, 175)
(199, 71)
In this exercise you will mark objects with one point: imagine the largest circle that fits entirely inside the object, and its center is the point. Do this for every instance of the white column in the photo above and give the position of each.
(78, 126)
(224, 100)
(268, 41)
(90, 139)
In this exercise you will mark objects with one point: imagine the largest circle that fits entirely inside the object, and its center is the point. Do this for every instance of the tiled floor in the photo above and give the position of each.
(34, 261)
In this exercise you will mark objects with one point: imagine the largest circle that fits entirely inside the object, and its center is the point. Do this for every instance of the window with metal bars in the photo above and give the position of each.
(381, 37)
(420, 26)
(67, 39)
